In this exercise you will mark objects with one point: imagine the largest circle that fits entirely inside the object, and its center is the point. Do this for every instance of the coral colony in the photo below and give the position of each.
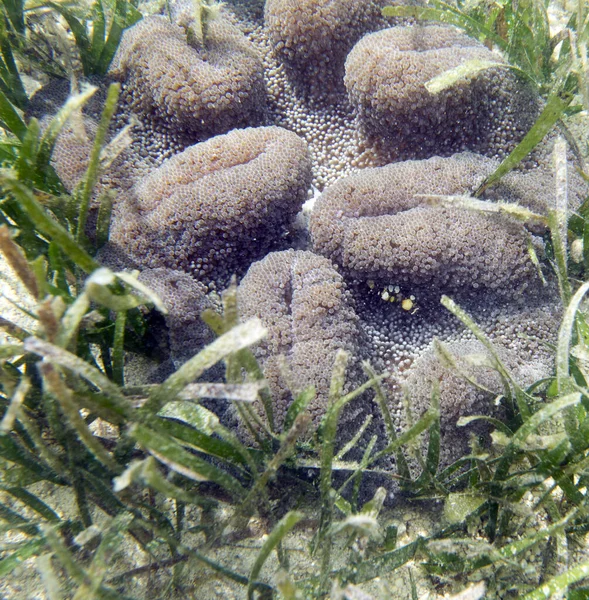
(238, 123)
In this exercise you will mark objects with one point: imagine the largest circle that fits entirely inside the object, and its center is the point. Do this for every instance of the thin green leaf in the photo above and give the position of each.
(98, 31)
(73, 567)
(14, 408)
(10, 118)
(131, 280)
(70, 322)
(203, 442)
(118, 350)
(32, 502)
(57, 355)
(560, 584)
(499, 425)
(239, 337)
(64, 396)
(422, 425)
(49, 578)
(552, 112)
(565, 334)
(111, 541)
(27, 159)
(170, 453)
(11, 451)
(462, 73)
(11, 80)
(241, 392)
(103, 219)
(15, 11)
(74, 103)
(46, 224)
(459, 506)
(92, 172)
(276, 536)
(15, 559)
(80, 35)
(125, 16)
(147, 473)
(298, 405)
(287, 447)
(544, 414)
(17, 260)
(520, 394)
(355, 439)
(510, 209)
(379, 396)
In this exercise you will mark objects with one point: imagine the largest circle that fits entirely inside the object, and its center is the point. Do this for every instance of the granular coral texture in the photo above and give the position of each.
(375, 226)
(328, 126)
(520, 339)
(313, 37)
(185, 299)
(205, 90)
(71, 153)
(304, 303)
(217, 206)
(386, 73)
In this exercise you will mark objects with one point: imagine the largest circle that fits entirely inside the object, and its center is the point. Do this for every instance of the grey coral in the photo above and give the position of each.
(217, 206)
(205, 89)
(487, 112)
(313, 37)
(304, 303)
(376, 225)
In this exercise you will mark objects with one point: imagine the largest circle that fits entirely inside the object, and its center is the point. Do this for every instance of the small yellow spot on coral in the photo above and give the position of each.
(370, 284)
(385, 296)
(407, 304)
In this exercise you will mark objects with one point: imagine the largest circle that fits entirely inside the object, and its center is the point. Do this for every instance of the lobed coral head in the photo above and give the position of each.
(386, 75)
(206, 89)
(217, 206)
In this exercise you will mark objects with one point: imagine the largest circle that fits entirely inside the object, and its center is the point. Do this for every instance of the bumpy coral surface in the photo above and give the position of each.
(71, 153)
(303, 301)
(185, 299)
(376, 226)
(314, 36)
(386, 73)
(201, 213)
(215, 207)
(521, 340)
(203, 89)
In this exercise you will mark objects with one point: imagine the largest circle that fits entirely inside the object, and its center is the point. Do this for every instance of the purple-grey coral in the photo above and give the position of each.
(71, 153)
(184, 299)
(303, 302)
(521, 339)
(375, 226)
(217, 206)
(313, 37)
(213, 209)
(204, 89)
(386, 72)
